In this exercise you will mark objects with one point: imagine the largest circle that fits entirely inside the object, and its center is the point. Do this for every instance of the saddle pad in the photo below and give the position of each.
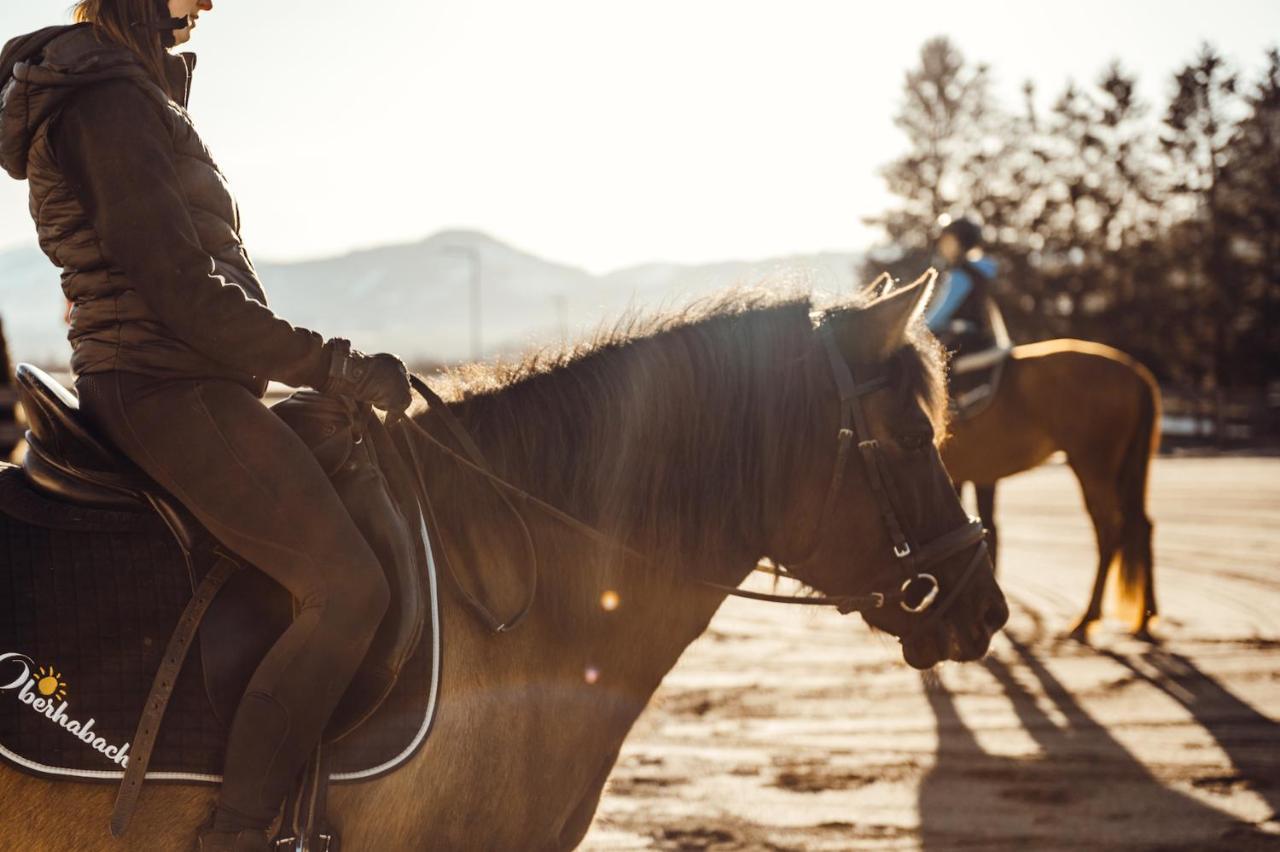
(974, 380)
(88, 600)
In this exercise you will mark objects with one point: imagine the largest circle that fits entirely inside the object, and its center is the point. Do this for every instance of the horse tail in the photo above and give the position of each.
(1136, 567)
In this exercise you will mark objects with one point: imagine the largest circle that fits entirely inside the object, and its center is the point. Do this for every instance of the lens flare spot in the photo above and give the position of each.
(609, 601)
(591, 674)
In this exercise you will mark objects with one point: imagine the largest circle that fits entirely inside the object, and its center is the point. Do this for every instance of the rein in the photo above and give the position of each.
(845, 604)
(916, 594)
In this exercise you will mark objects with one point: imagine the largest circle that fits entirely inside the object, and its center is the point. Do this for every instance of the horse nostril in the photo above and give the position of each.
(996, 615)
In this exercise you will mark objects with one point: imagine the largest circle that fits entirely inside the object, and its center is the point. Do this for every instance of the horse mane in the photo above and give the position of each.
(676, 431)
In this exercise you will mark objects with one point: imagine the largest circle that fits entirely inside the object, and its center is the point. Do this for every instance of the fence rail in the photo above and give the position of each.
(1239, 417)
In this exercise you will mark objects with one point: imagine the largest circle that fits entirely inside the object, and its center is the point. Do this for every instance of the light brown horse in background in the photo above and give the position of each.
(1102, 409)
(705, 440)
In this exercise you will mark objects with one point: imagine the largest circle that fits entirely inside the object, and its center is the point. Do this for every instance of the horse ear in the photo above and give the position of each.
(873, 333)
(882, 285)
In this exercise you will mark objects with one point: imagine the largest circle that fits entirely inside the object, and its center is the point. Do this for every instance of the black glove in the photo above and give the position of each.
(381, 380)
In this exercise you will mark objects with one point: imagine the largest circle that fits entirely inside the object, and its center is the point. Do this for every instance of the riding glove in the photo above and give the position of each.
(381, 380)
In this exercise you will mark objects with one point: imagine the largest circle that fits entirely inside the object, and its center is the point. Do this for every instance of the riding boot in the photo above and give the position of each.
(366, 495)
(248, 840)
(342, 434)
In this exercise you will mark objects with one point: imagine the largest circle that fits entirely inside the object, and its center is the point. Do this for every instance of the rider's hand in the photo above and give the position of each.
(381, 380)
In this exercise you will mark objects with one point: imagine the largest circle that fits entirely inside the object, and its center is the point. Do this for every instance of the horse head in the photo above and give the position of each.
(691, 446)
(888, 521)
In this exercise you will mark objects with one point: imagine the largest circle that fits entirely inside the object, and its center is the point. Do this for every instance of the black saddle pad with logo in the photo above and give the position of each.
(88, 600)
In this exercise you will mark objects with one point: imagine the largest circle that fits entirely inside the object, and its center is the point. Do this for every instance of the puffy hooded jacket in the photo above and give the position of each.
(128, 202)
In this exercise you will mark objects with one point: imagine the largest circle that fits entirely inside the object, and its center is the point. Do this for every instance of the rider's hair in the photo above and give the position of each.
(966, 231)
(130, 23)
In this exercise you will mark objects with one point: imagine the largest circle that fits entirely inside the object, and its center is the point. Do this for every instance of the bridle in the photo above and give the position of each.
(914, 590)
(919, 590)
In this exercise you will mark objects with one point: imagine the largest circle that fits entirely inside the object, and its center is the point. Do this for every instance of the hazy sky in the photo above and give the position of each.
(606, 133)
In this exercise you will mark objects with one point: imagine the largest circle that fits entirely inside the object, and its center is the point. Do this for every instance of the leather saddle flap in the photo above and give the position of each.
(975, 378)
(252, 611)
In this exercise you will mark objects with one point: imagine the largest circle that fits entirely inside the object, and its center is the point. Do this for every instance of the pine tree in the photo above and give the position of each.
(1198, 131)
(1164, 244)
(1250, 212)
(946, 112)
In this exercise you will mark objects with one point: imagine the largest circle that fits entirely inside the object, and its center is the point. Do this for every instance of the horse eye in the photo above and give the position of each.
(918, 441)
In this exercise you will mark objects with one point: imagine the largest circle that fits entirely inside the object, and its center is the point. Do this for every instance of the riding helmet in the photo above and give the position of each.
(966, 231)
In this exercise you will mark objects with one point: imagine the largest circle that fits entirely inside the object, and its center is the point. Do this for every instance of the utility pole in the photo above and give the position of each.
(561, 302)
(473, 260)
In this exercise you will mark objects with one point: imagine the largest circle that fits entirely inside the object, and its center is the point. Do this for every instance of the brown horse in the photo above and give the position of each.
(1102, 409)
(704, 440)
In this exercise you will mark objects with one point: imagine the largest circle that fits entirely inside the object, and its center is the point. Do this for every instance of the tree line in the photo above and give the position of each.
(1156, 231)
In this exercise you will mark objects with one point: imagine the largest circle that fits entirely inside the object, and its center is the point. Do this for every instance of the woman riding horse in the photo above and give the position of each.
(172, 348)
(961, 311)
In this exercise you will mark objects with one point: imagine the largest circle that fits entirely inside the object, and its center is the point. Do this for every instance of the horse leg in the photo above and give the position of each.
(986, 495)
(1102, 501)
(1137, 565)
(1137, 550)
(1116, 500)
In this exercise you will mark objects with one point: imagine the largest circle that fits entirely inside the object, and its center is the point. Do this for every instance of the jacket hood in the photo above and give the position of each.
(39, 71)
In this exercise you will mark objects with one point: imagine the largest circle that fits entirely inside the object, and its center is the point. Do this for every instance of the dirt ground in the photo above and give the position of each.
(784, 728)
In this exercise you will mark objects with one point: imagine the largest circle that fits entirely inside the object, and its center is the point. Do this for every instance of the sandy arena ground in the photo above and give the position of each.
(784, 728)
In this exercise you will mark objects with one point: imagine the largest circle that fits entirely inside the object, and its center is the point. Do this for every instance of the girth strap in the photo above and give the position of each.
(175, 653)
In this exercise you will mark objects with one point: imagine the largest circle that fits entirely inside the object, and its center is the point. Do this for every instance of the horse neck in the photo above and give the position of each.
(680, 446)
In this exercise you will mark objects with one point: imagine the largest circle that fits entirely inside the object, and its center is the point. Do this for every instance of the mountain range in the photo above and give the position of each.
(416, 299)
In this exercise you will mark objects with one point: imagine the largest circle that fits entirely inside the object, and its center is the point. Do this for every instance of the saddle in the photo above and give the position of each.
(977, 364)
(237, 615)
(975, 378)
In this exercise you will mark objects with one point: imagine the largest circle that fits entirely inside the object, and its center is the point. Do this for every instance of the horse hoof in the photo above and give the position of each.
(1144, 634)
(1080, 633)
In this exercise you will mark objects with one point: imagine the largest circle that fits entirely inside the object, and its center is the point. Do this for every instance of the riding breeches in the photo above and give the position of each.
(255, 485)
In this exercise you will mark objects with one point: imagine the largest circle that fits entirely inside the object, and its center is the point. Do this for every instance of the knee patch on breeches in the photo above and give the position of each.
(356, 597)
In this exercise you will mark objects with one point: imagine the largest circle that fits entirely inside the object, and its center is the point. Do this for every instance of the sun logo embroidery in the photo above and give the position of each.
(51, 684)
(43, 690)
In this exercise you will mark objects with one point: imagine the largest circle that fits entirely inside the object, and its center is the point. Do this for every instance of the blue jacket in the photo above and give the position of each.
(956, 287)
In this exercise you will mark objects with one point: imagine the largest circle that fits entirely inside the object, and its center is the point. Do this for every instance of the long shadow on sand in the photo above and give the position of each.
(1082, 789)
(1250, 739)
